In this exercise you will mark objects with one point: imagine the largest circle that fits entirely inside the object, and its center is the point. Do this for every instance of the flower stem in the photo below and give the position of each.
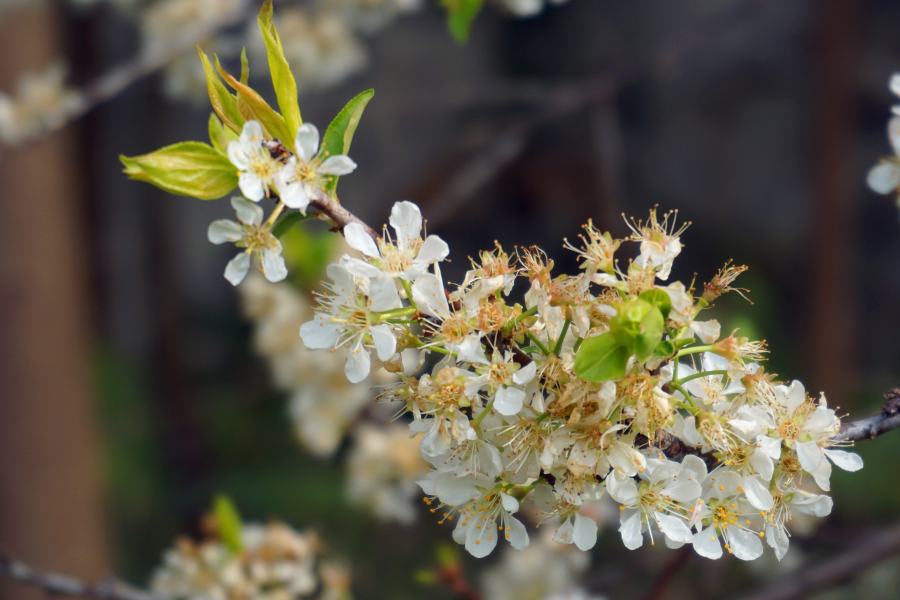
(524, 315)
(695, 349)
(562, 336)
(408, 291)
(477, 420)
(396, 313)
(538, 343)
(681, 382)
(275, 213)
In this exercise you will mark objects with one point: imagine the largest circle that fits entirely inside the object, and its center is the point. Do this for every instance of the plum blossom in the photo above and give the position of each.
(254, 237)
(308, 169)
(256, 166)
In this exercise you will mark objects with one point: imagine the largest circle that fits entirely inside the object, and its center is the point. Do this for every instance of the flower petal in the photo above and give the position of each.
(428, 294)
(674, 528)
(508, 401)
(481, 542)
(251, 186)
(745, 545)
(810, 455)
(406, 219)
(758, 495)
(247, 212)
(433, 250)
(706, 543)
(307, 141)
(525, 374)
(455, 490)
(848, 461)
(762, 463)
(294, 196)
(337, 165)
(237, 268)
(359, 363)
(320, 333)
(884, 177)
(273, 266)
(385, 342)
(516, 534)
(584, 533)
(224, 230)
(631, 531)
(383, 293)
(361, 241)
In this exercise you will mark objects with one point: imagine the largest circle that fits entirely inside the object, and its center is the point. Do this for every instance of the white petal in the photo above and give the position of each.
(508, 401)
(848, 461)
(884, 177)
(359, 267)
(237, 155)
(251, 186)
(745, 429)
(273, 266)
(247, 212)
(706, 543)
(564, 532)
(771, 446)
(674, 528)
(758, 495)
(383, 293)
(320, 333)
(746, 545)
(525, 374)
(894, 84)
(455, 490)
(631, 531)
(707, 331)
(224, 230)
(624, 492)
(470, 350)
(433, 250)
(691, 436)
(510, 504)
(778, 539)
(822, 475)
(810, 455)
(763, 464)
(434, 444)
(695, 464)
(252, 132)
(359, 240)
(481, 542)
(294, 196)
(685, 490)
(385, 342)
(337, 165)
(793, 396)
(584, 533)
(812, 504)
(460, 531)
(406, 219)
(307, 141)
(428, 294)
(359, 363)
(237, 268)
(516, 534)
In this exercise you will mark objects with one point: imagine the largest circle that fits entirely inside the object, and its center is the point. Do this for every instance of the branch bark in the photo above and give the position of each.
(57, 584)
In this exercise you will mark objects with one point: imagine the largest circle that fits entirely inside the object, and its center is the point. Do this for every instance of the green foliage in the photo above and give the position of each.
(659, 299)
(307, 254)
(219, 135)
(187, 169)
(282, 79)
(601, 358)
(223, 102)
(253, 108)
(245, 67)
(229, 523)
(460, 16)
(340, 132)
(638, 327)
(288, 221)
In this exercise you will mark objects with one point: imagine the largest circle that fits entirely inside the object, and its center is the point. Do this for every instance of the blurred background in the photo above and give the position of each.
(132, 388)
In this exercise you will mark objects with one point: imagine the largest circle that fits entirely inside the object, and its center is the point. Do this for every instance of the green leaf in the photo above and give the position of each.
(282, 78)
(245, 67)
(223, 102)
(664, 349)
(659, 299)
(601, 358)
(187, 169)
(229, 523)
(460, 16)
(288, 221)
(652, 327)
(307, 254)
(340, 132)
(252, 107)
(219, 135)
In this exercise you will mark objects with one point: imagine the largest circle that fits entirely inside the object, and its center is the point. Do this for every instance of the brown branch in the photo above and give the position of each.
(57, 584)
(669, 572)
(323, 203)
(841, 567)
(454, 578)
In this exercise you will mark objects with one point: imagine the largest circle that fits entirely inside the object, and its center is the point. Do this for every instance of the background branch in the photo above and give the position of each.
(57, 584)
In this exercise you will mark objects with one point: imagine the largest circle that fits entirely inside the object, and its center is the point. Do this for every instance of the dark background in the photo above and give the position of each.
(128, 391)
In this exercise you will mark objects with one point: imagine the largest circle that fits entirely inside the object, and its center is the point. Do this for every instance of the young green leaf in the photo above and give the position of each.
(652, 326)
(664, 350)
(659, 299)
(223, 102)
(187, 169)
(219, 135)
(460, 16)
(601, 358)
(282, 78)
(252, 107)
(340, 132)
(288, 221)
(229, 523)
(245, 67)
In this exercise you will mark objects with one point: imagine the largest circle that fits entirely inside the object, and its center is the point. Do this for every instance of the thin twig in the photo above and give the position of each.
(57, 584)
(454, 578)
(841, 567)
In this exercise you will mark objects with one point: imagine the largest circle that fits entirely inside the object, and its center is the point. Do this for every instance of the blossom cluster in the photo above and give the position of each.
(42, 103)
(571, 396)
(275, 562)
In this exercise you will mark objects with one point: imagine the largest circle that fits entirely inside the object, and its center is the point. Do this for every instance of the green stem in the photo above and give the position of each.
(271, 220)
(562, 336)
(396, 313)
(408, 291)
(698, 376)
(684, 392)
(477, 420)
(577, 345)
(524, 315)
(538, 343)
(542, 417)
(691, 409)
(400, 321)
(696, 349)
